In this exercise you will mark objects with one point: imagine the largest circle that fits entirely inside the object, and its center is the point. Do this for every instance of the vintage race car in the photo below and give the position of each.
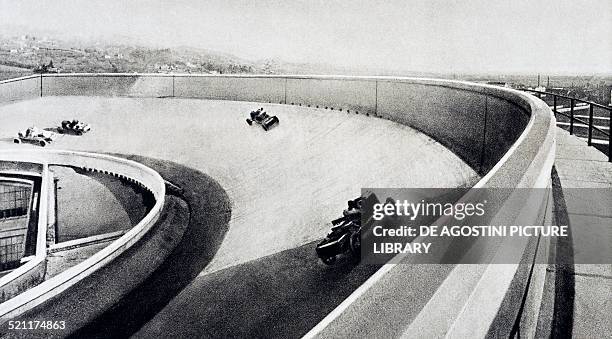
(345, 235)
(74, 126)
(34, 135)
(348, 231)
(262, 118)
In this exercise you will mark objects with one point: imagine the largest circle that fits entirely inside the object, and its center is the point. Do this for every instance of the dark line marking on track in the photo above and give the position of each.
(563, 313)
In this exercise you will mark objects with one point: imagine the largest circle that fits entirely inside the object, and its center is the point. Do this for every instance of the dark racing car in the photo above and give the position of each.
(74, 127)
(345, 235)
(262, 118)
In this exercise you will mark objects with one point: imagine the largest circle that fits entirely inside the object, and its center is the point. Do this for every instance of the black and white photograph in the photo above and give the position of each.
(305, 169)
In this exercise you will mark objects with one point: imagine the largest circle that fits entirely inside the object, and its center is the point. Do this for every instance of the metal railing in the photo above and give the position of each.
(557, 110)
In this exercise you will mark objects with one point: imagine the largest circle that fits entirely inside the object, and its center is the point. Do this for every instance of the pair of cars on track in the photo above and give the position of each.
(34, 135)
(344, 239)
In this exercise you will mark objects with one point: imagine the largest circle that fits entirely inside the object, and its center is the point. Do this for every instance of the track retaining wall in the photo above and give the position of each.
(477, 122)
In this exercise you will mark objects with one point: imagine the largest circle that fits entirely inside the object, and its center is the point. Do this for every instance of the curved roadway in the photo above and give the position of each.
(285, 185)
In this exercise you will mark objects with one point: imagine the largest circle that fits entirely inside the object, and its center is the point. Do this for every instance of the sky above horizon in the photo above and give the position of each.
(520, 36)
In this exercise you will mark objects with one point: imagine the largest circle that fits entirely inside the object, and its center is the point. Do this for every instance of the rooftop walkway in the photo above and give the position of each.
(582, 296)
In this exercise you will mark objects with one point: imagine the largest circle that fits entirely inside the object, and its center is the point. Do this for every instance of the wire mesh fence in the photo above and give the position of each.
(14, 200)
(14, 204)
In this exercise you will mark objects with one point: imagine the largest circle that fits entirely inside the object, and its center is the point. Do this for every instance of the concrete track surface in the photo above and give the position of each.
(285, 185)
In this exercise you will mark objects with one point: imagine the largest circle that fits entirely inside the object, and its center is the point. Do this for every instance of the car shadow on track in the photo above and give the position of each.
(52, 129)
(8, 140)
(282, 295)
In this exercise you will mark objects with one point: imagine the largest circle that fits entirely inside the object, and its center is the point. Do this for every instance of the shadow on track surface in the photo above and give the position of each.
(115, 301)
(282, 295)
(210, 212)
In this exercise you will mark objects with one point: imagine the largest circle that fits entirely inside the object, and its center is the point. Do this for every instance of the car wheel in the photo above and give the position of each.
(43, 143)
(60, 130)
(329, 260)
(79, 132)
(17, 141)
(249, 121)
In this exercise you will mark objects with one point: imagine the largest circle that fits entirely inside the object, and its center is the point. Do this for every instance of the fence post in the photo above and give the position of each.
(376, 99)
(555, 105)
(610, 145)
(55, 208)
(571, 116)
(590, 124)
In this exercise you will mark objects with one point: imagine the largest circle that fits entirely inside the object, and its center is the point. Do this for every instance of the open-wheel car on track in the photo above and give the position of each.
(262, 118)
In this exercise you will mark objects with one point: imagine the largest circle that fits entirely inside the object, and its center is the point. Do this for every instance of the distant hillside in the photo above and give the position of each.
(29, 52)
(20, 55)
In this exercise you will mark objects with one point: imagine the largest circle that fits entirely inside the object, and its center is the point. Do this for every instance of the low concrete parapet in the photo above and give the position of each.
(127, 85)
(87, 241)
(136, 172)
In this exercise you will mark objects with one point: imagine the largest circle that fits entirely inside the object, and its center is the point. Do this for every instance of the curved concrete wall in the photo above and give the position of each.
(107, 85)
(477, 122)
(352, 94)
(20, 88)
(505, 135)
(130, 170)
